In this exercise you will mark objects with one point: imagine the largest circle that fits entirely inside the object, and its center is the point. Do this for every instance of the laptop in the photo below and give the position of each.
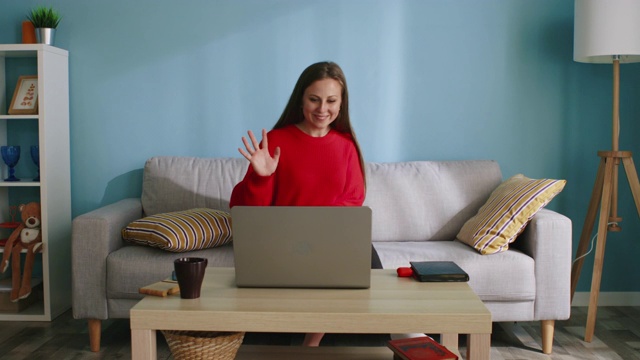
(302, 247)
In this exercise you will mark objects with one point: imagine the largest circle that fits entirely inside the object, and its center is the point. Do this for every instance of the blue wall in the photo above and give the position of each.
(429, 80)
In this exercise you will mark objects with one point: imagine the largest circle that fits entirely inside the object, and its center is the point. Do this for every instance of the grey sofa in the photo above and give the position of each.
(418, 208)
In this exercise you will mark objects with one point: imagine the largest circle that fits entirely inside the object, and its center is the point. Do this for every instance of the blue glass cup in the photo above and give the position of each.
(10, 156)
(35, 156)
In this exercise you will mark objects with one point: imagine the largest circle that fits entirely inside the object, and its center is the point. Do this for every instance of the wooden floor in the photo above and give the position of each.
(617, 337)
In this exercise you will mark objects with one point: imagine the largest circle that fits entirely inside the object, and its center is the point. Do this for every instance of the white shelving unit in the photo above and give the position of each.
(54, 189)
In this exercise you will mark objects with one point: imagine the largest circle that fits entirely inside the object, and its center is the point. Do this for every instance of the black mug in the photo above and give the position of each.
(190, 273)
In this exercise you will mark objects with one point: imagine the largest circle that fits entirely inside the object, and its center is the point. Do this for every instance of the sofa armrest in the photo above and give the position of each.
(94, 236)
(547, 239)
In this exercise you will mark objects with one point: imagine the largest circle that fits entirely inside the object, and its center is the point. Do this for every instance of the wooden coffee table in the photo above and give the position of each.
(391, 305)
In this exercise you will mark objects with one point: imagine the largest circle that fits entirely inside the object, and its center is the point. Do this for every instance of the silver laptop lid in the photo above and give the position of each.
(299, 246)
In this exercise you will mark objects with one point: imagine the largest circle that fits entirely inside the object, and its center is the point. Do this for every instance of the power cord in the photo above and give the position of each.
(591, 247)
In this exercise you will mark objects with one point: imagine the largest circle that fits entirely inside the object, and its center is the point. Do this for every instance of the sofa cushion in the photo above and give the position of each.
(132, 267)
(180, 183)
(427, 200)
(504, 277)
(507, 211)
(181, 231)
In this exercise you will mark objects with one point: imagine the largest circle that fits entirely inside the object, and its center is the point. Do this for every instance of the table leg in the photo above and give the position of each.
(450, 341)
(143, 344)
(478, 346)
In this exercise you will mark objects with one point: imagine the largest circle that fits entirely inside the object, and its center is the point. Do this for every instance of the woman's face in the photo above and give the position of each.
(320, 106)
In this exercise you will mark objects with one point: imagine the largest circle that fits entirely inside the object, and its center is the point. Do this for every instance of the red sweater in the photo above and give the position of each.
(312, 171)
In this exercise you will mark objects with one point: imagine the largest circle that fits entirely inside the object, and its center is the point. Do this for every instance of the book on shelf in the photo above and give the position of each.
(438, 271)
(420, 348)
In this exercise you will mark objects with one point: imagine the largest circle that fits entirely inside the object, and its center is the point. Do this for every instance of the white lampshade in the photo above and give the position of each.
(604, 28)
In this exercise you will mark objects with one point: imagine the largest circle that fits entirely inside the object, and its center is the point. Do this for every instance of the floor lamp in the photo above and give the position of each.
(605, 32)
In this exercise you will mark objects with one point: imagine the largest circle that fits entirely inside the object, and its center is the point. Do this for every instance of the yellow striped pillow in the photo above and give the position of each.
(509, 208)
(181, 231)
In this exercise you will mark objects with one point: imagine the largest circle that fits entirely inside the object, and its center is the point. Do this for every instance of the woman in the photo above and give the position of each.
(311, 157)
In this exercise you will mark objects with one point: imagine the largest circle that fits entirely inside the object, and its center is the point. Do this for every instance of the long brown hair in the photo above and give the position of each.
(292, 113)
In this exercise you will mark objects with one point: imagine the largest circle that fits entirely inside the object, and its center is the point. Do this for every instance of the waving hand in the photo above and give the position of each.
(258, 154)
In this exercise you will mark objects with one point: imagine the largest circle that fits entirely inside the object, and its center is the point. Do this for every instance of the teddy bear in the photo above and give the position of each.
(26, 236)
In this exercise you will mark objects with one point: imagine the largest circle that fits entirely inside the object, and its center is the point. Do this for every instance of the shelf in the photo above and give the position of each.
(50, 131)
(34, 312)
(10, 224)
(23, 251)
(19, 183)
(18, 117)
(273, 352)
(28, 50)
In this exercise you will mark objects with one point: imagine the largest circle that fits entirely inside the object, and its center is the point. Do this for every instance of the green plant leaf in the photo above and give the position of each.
(44, 17)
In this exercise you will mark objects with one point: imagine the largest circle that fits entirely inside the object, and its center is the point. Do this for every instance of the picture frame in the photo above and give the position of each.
(25, 96)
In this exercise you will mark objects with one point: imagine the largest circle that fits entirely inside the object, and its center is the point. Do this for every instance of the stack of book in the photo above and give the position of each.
(438, 271)
(419, 348)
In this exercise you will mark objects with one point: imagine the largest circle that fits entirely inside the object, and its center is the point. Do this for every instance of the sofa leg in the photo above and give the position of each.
(547, 335)
(94, 334)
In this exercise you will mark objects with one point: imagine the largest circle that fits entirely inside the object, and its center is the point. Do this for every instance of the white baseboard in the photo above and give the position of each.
(608, 299)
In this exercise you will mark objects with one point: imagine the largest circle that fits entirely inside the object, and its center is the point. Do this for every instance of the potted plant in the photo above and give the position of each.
(45, 20)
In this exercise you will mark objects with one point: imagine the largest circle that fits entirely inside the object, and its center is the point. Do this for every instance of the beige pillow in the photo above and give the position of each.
(509, 208)
(181, 231)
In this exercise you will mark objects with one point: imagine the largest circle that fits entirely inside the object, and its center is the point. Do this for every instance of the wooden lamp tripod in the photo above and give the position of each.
(604, 30)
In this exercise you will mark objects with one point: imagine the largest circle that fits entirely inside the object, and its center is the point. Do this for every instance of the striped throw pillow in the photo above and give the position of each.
(181, 231)
(507, 211)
